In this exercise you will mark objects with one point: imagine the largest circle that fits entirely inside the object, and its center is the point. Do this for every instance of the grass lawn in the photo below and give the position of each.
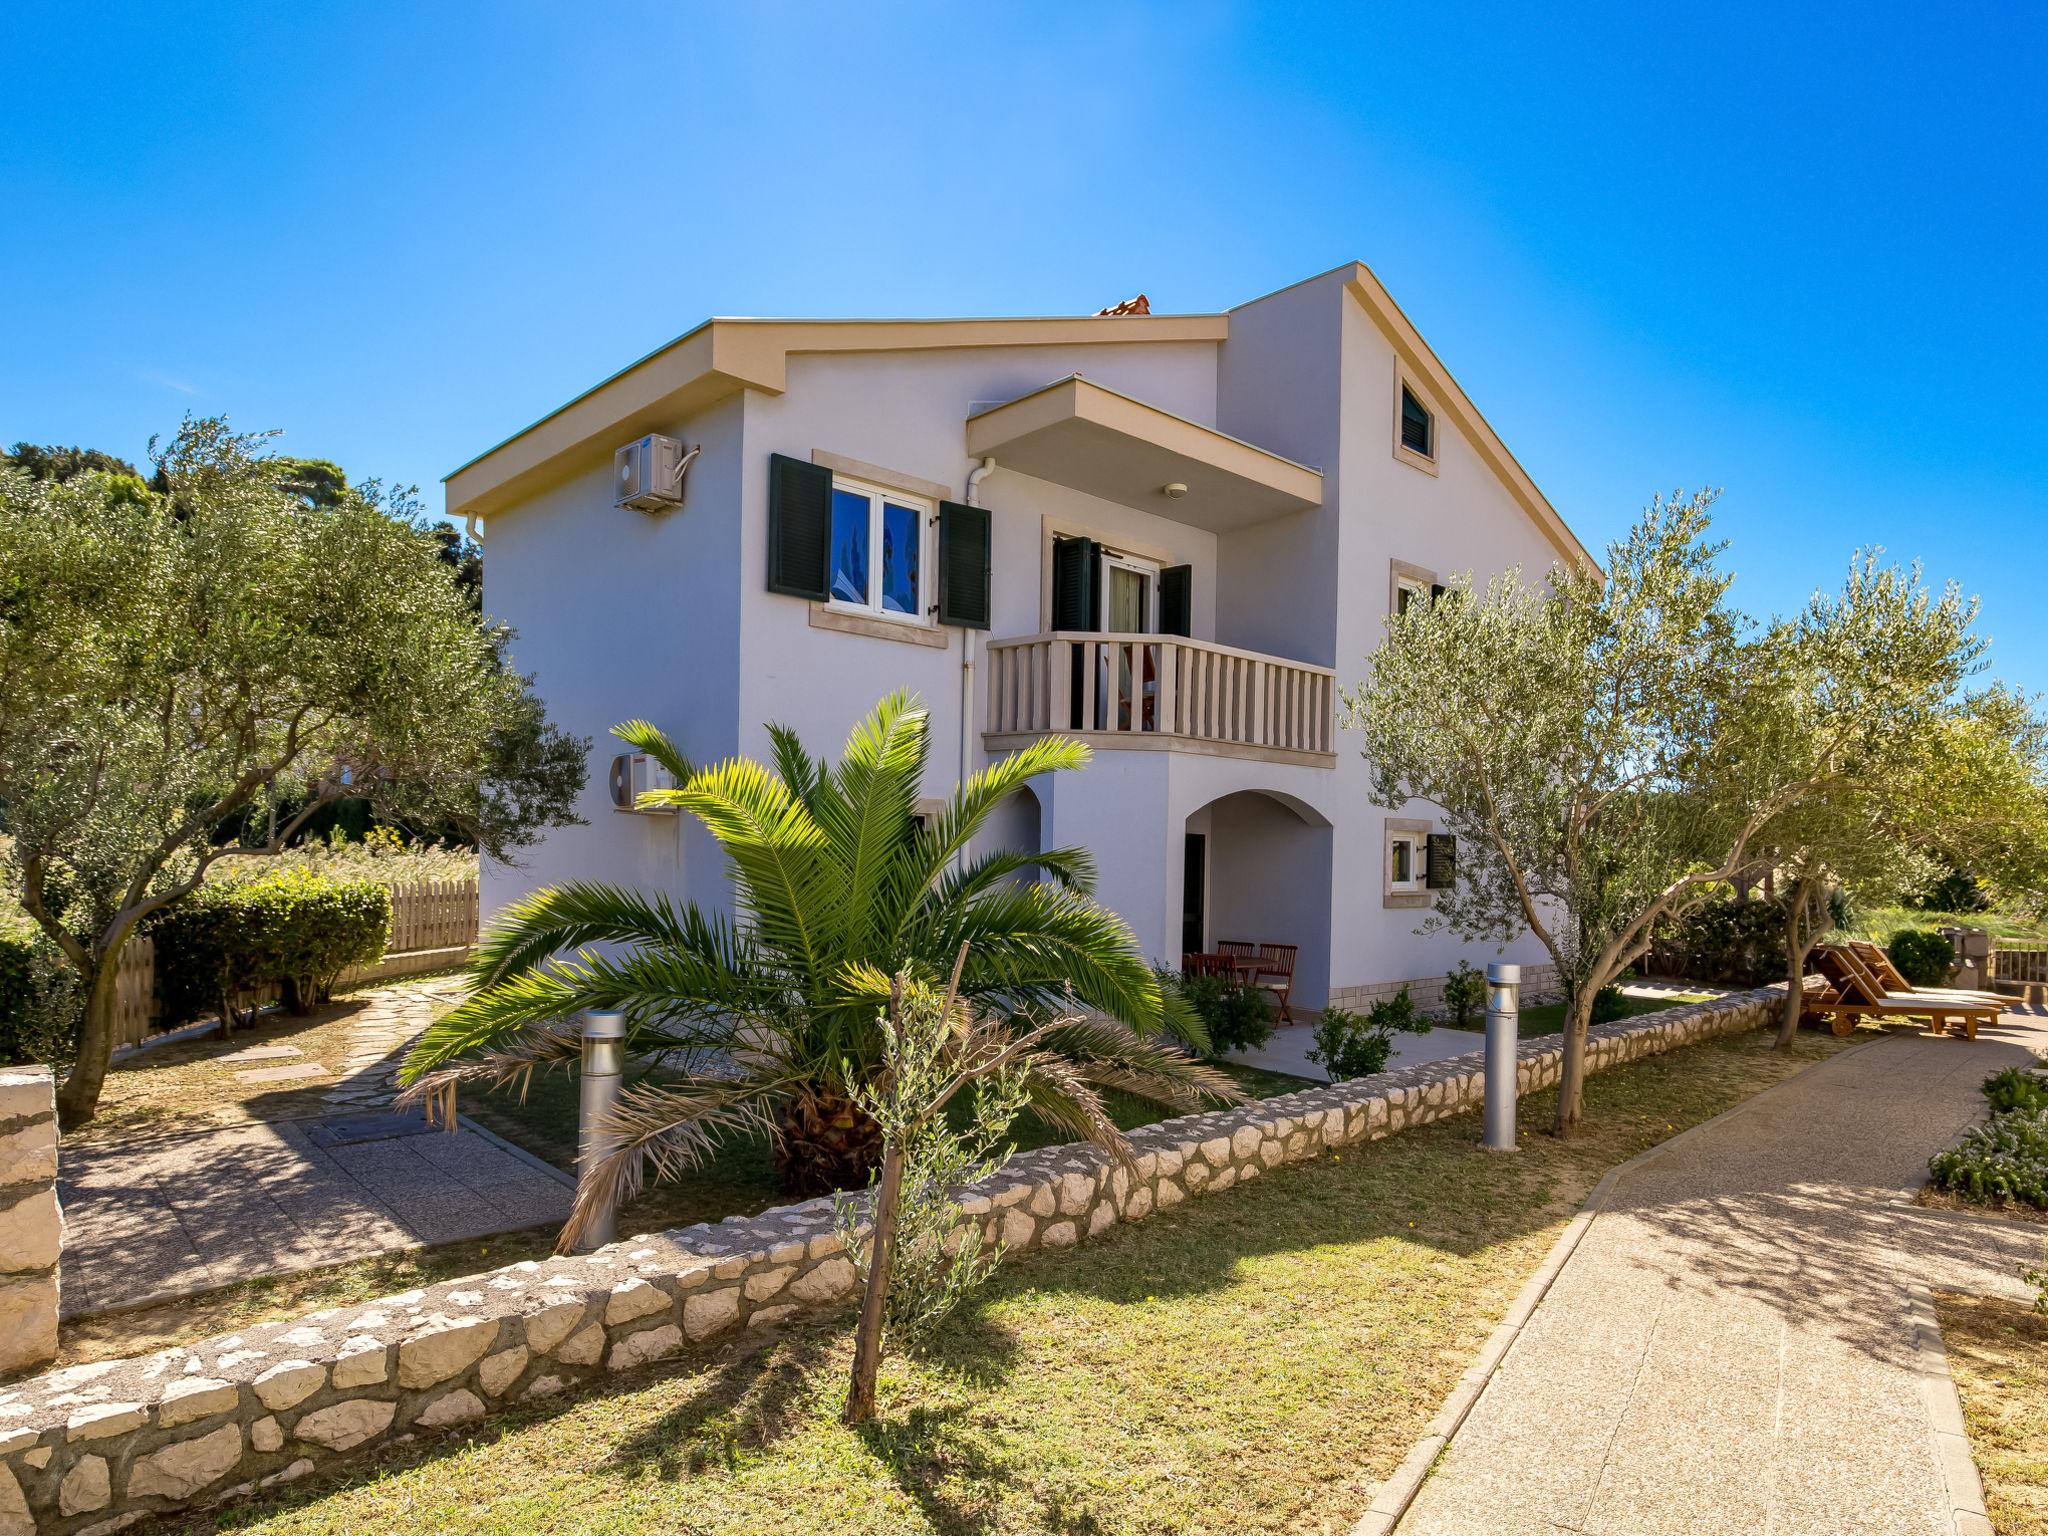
(1254, 1361)
(1998, 1353)
(2021, 929)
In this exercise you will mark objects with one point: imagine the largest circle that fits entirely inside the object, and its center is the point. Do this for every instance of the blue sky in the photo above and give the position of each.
(1795, 252)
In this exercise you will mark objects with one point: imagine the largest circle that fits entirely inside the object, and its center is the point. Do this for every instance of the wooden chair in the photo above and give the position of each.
(1207, 963)
(1276, 974)
(1269, 967)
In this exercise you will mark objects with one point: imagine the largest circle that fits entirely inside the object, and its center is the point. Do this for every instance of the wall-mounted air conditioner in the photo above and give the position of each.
(648, 475)
(633, 775)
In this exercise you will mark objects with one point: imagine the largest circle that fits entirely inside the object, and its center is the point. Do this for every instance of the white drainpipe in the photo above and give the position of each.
(974, 478)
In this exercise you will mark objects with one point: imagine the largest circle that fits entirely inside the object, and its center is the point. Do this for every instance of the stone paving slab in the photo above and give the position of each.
(1735, 1343)
(149, 1219)
(191, 1213)
(283, 1074)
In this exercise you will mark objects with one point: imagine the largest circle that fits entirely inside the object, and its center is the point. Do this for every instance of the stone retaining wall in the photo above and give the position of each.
(31, 1229)
(89, 1448)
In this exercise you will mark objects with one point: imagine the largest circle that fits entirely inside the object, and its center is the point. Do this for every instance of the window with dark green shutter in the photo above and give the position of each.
(1177, 600)
(1076, 593)
(963, 565)
(799, 527)
(1418, 427)
(1441, 864)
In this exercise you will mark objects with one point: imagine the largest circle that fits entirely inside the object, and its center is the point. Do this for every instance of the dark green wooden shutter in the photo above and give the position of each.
(1076, 600)
(1177, 600)
(1441, 871)
(799, 527)
(963, 565)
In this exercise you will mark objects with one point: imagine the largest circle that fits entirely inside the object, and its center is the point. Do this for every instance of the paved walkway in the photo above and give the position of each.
(1734, 1345)
(149, 1218)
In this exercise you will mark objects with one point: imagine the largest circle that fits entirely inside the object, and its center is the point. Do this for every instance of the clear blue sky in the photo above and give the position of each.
(1798, 252)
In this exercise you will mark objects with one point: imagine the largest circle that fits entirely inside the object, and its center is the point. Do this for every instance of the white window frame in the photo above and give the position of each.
(1414, 891)
(1149, 569)
(879, 496)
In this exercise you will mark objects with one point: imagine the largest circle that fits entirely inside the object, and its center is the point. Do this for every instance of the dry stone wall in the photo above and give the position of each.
(93, 1447)
(31, 1228)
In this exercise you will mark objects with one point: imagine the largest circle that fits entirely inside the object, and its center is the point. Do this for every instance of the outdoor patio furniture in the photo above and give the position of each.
(1854, 992)
(1879, 964)
(1212, 963)
(1270, 968)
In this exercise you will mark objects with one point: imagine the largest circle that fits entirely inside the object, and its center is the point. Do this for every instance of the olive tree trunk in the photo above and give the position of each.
(867, 1338)
(1571, 1084)
(1799, 936)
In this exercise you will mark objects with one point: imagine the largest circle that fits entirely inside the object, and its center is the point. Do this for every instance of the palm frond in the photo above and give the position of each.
(673, 1129)
(645, 736)
(511, 1064)
(799, 770)
(569, 916)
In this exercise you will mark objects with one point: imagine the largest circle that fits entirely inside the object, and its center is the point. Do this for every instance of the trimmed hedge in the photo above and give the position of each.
(1734, 943)
(42, 1003)
(218, 948)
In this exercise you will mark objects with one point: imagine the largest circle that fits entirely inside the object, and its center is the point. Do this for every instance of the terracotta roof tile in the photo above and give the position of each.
(1138, 306)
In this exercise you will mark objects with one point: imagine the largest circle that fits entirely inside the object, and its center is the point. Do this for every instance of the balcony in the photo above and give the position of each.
(1160, 693)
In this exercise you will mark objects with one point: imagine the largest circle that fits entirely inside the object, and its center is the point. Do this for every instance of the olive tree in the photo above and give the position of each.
(1604, 748)
(171, 659)
(1874, 696)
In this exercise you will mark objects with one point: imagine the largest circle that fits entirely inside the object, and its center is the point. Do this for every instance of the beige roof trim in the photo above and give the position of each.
(1415, 353)
(722, 356)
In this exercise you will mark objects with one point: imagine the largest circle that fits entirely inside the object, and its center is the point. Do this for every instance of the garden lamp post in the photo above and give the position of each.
(1503, 1030)
(604, 1036)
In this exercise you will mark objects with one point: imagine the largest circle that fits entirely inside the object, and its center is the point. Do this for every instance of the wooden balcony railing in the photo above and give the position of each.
(1160, 690)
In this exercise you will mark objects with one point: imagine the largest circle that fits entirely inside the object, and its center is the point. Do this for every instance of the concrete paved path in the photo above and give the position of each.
(1735, 1344)
(149, 1218)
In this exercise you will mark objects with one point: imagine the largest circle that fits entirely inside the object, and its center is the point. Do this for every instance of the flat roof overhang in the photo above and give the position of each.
(1092, 439)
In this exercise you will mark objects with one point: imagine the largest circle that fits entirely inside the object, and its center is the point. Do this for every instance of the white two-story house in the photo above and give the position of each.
(1175, 536)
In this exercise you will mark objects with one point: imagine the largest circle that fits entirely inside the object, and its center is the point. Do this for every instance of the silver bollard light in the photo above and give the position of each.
(604, 1038)
(1503, 1032)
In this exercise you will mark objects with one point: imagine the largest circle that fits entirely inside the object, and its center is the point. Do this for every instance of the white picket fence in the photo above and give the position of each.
(433, 928)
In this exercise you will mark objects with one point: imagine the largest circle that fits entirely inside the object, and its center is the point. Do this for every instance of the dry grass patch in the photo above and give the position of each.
(1998, 1353)
(1253, 1361)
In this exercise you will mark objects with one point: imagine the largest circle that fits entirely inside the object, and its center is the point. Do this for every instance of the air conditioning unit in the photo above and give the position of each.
(633, 775)
(648, 475)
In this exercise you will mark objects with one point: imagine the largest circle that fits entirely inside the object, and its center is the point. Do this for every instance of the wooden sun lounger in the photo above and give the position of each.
(1880, 965)
(1855, 993)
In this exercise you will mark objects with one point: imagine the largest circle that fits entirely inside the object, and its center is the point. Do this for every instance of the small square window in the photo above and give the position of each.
(1418, 426)
(878, 550)
(1406, 866)
(1410, 593)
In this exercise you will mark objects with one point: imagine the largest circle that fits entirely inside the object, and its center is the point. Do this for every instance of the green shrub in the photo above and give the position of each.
(1923, 957)
(1464, 995)
(1955, 890)
(1347, 1046)
(1734, 943)
(217, 948)
(42, 1003)
(1239, 1016)
(1609, 1004)
(2016, 1089)
(2006, 1159)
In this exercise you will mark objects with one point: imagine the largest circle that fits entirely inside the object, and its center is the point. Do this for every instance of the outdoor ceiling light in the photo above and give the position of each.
(1174, 490)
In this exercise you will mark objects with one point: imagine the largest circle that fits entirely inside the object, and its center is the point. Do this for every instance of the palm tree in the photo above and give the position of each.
(757, 1024)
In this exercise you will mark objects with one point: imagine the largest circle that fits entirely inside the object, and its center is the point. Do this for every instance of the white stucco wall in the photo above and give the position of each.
(621, 614)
